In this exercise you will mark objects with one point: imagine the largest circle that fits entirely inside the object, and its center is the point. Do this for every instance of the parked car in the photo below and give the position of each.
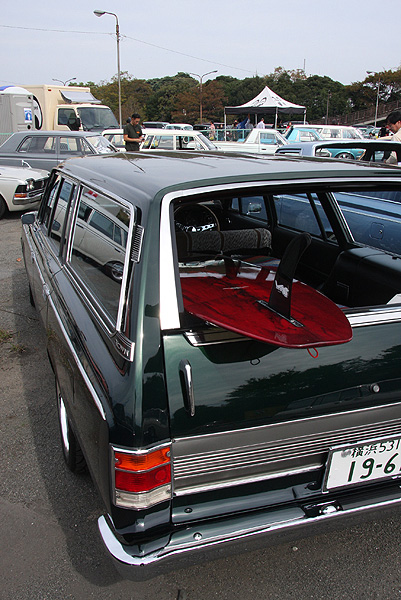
(175, 139)
(328, 132)
(20, 188)
(46, 149)
(202, 440)
(155, 124)
(363, 149)
(163, 139)
(179, 126)
(302, 134)
(259, 141)
(116, 138)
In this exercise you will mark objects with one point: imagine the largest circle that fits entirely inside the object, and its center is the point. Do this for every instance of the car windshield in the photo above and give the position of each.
(96, 117)
(100, 144)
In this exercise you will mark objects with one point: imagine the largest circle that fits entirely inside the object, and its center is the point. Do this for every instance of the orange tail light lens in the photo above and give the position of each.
(142, 479)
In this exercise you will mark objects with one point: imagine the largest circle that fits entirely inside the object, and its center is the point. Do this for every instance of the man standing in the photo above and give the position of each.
(133, 133)
(393, 124)
(261, 124)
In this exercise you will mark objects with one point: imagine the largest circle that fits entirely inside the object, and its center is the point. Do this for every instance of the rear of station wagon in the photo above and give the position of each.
(202, 440)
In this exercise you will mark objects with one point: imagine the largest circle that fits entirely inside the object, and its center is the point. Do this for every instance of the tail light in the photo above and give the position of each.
(141, 478)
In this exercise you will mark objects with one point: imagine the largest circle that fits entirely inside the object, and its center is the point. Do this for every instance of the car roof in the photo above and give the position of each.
(155, 131)
(37, 132)
(136, 176)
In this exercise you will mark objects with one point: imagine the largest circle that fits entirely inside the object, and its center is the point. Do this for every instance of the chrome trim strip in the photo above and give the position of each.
(228, 458)
(374, 316)
(88, 382)
(207, 487)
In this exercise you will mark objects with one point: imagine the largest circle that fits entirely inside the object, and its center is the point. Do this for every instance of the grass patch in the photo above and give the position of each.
(5, 335)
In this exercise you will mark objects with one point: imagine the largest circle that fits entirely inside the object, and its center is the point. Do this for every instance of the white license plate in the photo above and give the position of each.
(362, 463)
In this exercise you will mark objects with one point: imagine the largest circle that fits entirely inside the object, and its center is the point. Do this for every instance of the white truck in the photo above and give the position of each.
(16, 111)
(69, 108)
(257, 141)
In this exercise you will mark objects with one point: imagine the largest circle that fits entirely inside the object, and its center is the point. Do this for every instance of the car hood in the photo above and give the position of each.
(22, 172)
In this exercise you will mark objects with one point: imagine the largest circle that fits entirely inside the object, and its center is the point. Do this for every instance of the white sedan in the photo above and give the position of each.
(20, 188)
(163, 139)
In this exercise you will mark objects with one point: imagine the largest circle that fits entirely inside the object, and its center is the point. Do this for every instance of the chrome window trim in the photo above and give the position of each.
(108, 324)
(169, 312)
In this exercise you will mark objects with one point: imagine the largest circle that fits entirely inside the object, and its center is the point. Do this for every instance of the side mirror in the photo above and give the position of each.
(254, 208)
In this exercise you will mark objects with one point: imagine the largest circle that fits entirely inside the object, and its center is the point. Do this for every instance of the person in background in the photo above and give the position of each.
(261, 124)
(212, 130)
(393, 124)
(133, 134)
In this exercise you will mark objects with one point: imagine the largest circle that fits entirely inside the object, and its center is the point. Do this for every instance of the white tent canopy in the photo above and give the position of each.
(267, 103)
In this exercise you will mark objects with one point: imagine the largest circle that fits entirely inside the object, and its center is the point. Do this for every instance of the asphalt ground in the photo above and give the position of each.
(50, 546)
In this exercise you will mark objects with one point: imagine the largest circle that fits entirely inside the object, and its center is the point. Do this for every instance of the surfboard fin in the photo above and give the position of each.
(280, 295)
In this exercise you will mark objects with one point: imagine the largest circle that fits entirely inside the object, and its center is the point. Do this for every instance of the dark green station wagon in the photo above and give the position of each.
(201, 439)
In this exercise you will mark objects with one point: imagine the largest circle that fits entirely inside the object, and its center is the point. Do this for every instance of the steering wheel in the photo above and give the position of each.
(195, 217)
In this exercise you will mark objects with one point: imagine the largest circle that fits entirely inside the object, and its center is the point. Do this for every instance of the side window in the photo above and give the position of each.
(250, 206)
(296, 211)
(64, 114)
(49, 199)
(60, 214)
(99, 248)
(69, 145)
(148, 143)
(39, 143)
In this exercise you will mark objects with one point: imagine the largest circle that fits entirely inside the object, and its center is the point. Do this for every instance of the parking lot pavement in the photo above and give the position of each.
(50, 547)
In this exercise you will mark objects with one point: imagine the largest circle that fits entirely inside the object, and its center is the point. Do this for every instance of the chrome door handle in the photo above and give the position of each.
(187, 387)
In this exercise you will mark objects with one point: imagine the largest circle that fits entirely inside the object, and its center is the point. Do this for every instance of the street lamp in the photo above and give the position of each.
(65, 82)
(377, 96)
(100, 13)
(200, 89)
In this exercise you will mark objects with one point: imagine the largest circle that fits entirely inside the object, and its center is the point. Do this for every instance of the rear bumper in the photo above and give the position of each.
(211, 540)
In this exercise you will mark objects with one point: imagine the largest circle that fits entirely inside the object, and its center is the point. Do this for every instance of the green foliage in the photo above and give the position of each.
(177, 98)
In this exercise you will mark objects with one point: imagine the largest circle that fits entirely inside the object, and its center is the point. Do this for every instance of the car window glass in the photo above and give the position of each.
(64, 114)
(163, 142)
(39, 143)
(268, 138)
(49, 200)
(99, 247)
(58, 224)
(250, 206)
(186, 142)
(296, 211)
(70, 145)
(373, 217)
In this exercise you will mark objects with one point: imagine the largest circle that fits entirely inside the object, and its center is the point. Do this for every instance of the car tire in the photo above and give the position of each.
(72, 452)
(115, 270)
(3, 207)
(346, 155)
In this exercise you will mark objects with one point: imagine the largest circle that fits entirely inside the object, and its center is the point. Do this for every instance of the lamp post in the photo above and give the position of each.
(377, 95)
(200, 90)
(327, 107)
(65, 82)
(100, 13)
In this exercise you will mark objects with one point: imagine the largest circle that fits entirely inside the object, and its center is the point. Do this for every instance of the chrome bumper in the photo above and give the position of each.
(211, 540)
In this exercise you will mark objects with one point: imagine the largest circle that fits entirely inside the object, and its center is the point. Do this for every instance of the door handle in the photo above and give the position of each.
(187, 387)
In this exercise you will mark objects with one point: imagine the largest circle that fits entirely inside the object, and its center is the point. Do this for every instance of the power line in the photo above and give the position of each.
(128, 38)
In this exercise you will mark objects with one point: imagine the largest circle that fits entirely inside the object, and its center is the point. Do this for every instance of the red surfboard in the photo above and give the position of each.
(265, 303)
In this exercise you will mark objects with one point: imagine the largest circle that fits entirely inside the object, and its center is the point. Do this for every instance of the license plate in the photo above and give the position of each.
(363, 463)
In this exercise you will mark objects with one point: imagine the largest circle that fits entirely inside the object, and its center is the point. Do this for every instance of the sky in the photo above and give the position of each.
(342, 39)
